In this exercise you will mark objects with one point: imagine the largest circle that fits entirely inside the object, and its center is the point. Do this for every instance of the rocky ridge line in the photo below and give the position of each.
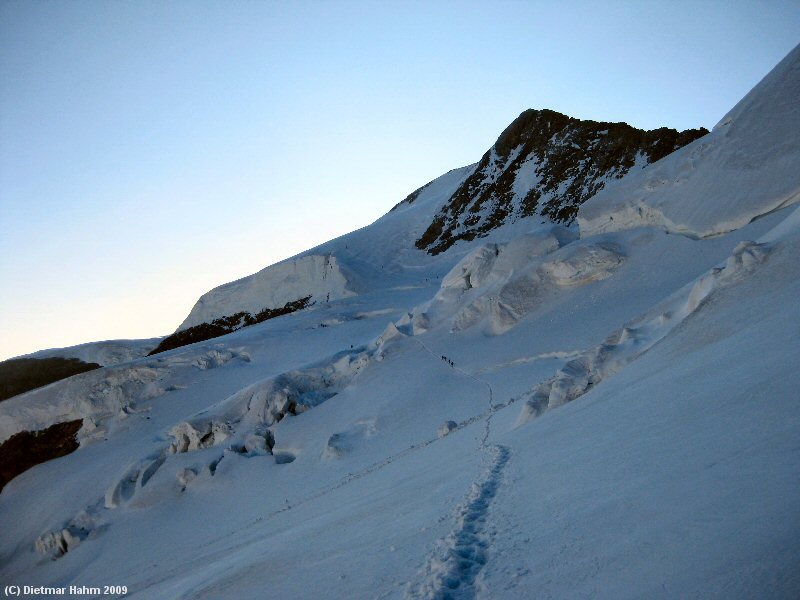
(545, 163)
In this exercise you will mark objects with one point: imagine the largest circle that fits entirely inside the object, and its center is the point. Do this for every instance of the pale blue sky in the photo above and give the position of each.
(152, 150)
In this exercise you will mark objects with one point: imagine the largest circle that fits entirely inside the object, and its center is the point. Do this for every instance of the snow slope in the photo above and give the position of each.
(689, 457)
(746, 167)
(532, 414)
(362, 495)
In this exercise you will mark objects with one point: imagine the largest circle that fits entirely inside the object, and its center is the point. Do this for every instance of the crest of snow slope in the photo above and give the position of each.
(746, 167)
(107, 353)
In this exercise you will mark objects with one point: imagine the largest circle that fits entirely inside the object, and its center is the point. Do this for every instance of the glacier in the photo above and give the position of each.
(602, 409)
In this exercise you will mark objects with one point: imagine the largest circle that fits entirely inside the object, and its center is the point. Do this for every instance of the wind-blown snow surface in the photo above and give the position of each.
(535, 415)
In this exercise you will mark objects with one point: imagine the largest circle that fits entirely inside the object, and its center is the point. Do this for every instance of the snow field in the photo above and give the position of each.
(403, 442)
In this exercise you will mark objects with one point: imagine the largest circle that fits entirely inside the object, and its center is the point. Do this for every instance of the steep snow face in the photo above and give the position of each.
(383, 253)
(320, 276)
(548, 164)
(746, 167)
(687, 452)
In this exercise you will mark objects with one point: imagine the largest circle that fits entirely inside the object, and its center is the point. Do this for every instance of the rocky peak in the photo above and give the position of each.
(541, 124)
(545, 163)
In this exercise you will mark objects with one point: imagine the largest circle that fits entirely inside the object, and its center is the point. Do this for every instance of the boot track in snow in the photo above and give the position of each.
(452, 569)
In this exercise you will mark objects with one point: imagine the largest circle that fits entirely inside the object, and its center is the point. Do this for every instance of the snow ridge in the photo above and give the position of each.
(545, 163)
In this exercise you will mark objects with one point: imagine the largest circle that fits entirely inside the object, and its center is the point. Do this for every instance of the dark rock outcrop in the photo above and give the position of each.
(19, 375)
(546, 164)
(227, 324)
(411, 197)
(27, 449)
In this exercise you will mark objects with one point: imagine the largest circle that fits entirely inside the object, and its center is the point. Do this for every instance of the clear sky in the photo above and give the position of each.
(150, 151)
